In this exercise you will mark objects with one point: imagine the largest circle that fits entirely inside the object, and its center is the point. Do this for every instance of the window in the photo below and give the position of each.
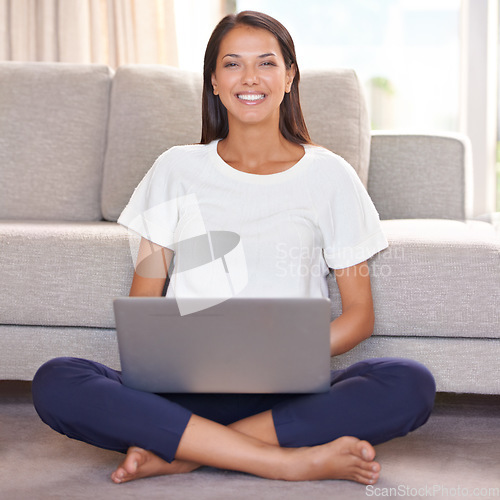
(427, 65)
(406, 53)
(194, 21)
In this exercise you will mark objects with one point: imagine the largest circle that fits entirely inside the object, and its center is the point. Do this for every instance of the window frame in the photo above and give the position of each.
(478, 107)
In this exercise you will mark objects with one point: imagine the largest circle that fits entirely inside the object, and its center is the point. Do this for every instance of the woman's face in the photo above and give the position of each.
(251, 77)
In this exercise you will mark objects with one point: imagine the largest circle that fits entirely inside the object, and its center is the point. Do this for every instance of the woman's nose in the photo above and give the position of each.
(250, 76)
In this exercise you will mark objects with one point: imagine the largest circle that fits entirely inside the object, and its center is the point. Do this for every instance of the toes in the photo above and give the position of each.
(366, 476)
(362, 464)
(366, 450)
(371, 467)
(368, 468)
(117, 475)
(364, 480)
(131, 466)
(122, 476)
(361, 449)
(365, 470)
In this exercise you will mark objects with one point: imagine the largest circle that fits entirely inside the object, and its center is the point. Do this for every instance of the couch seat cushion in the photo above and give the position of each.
(62, 274)
(438, 278)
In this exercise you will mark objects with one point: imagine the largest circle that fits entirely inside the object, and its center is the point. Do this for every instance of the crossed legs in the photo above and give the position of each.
(303, 437)
(247, 449)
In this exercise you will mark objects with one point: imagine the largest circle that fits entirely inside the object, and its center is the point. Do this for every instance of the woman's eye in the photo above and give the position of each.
(230, 65)
(268, 63)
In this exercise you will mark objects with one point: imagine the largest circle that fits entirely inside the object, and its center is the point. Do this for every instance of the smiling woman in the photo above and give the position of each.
(251, 83)
(256, 174)
(273, 56)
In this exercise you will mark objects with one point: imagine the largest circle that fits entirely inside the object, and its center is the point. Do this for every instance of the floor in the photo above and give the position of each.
(455, 455)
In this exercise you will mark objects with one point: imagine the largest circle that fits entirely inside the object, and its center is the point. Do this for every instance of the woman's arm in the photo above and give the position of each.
(151, 270)
(355, 324)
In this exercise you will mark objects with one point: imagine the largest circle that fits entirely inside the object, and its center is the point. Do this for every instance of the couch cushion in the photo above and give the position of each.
(156, 107)
(152, 109)
(420, 176)
(64, 274)
(334, 108)
(26, 348)
(53, 120)
(457, 364)
(438, 278)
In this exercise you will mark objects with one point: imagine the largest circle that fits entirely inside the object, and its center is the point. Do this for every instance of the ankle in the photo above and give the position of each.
(293, 464)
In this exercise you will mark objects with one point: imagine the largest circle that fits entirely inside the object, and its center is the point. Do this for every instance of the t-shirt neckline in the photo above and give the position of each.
(258, 178)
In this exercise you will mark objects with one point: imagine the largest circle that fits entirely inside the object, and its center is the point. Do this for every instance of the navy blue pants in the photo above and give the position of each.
(376, 400)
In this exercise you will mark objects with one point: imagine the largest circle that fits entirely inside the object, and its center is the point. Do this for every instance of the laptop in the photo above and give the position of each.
(241, 345)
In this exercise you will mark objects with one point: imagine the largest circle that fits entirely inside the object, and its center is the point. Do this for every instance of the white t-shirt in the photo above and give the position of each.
(270, 235)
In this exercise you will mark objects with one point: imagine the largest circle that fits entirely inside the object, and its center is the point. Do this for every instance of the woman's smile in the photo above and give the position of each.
(251, 76)
(251, 98)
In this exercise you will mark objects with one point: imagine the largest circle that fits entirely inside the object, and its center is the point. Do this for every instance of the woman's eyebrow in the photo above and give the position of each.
(261, 56)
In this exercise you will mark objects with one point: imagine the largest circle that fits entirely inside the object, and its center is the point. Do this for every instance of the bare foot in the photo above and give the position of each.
(345, 458)
(141, 463)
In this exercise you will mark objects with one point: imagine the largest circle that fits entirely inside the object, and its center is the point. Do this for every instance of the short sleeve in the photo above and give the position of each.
(153, 209)
(348, 220)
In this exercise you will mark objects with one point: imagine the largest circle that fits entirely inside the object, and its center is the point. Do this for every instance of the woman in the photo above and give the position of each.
(256, 173)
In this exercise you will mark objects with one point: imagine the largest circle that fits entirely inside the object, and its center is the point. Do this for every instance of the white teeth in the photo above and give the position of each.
(251, 97)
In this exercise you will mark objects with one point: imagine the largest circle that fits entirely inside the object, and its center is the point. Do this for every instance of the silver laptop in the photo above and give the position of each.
(241, 345)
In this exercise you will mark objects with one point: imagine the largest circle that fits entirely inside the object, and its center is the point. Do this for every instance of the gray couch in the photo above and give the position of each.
(76, 139)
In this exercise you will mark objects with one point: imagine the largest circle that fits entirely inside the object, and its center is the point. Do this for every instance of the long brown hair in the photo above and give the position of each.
(214, 115)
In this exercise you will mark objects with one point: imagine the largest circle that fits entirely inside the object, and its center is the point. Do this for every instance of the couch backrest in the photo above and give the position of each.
(152, 109)
(53, 120)
(156, 107)
(418, 176)
(335, 111)
(62, 159)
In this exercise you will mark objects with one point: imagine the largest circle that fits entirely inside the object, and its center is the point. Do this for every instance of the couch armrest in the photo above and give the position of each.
(492, 218)
(420, 176)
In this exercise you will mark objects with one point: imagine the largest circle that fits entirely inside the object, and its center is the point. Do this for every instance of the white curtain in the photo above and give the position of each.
(112, 32)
